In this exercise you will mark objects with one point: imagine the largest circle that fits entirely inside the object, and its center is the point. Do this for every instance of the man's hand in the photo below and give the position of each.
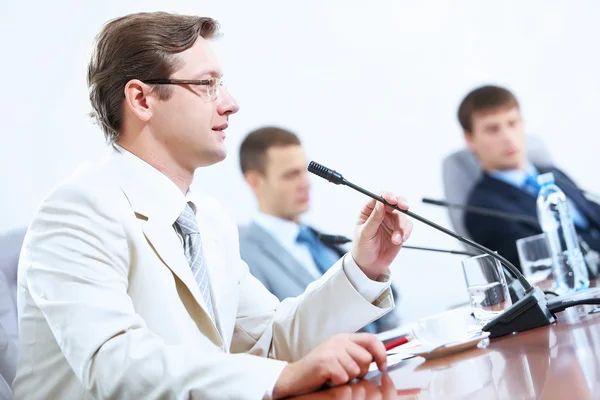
(379, 235)
(336, 361)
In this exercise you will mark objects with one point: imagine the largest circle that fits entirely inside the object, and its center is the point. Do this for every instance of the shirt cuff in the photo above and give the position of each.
(270, 388)
(367, 288)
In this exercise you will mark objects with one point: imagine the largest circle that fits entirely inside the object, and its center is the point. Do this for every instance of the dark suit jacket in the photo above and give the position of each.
(501, 234)
(281, 273)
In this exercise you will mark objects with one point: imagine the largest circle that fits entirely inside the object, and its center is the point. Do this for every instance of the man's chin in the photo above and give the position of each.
(303, 209)
(212, 158)
(512, 163)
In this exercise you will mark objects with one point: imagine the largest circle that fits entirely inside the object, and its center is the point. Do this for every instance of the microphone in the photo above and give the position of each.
(483, 211)
(531, 311)
(332, 240)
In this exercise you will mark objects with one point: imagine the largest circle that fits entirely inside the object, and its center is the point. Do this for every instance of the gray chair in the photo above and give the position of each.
(10, 249)
(461, 170)
(8, 364)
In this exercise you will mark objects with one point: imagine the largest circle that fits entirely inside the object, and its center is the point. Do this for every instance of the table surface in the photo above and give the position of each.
(560, 361)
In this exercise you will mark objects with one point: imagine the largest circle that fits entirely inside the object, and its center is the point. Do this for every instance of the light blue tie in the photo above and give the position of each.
(323, 256)
(531, 185)
(192, 245)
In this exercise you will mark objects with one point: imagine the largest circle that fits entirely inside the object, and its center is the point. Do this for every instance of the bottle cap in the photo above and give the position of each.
(545, 179)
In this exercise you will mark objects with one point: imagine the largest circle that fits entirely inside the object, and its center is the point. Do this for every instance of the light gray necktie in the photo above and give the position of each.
(192, 244)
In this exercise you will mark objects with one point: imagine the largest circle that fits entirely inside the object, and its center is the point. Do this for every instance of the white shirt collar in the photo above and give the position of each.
(515, 177)
(286, 232)
(164, 197)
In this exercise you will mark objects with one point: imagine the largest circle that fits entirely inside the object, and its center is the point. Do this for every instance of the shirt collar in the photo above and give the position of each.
(285, 231)
(516, 177)
(151, 189)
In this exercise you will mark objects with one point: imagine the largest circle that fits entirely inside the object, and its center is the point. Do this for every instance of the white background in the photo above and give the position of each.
(371, 87)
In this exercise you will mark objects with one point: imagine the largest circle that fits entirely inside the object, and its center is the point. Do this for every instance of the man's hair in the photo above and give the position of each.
(138, 46)
(254, 148)
(485, 98)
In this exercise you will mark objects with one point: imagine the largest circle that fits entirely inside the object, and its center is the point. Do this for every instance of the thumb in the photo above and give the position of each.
(372, 224)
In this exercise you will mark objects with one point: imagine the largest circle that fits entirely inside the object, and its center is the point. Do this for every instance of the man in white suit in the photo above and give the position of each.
(131, 286)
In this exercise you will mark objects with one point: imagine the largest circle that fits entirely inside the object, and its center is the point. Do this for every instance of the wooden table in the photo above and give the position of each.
(560, 361)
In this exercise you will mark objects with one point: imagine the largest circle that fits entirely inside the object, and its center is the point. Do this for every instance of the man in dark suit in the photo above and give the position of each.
(493, 127)
(282, 252)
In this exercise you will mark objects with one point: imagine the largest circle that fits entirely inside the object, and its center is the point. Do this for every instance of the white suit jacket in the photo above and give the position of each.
(109, 308)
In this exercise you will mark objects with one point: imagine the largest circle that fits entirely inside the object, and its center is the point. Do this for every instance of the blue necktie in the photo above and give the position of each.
(323, 256)
(531, 185)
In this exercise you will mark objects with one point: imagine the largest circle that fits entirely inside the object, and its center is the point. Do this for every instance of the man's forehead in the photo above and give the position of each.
(285, 157)
(285, 153)
(198, 61)
(492, 113)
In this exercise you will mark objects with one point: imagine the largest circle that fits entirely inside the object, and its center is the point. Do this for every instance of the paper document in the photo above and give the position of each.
(394, 357)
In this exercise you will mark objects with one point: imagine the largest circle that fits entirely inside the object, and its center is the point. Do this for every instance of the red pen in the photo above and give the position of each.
(396, 343)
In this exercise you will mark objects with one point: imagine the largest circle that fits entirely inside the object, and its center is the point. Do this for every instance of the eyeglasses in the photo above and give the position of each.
(210, 86)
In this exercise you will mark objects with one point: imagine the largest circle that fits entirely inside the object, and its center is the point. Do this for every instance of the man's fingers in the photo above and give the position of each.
(337, 374)
(398, 226)
(393, 222)
(361, 356)
(403, 227)
(373, 346)
(407, 229)
(395, 200)
(374, 220)
(366, 211)
(351, 365)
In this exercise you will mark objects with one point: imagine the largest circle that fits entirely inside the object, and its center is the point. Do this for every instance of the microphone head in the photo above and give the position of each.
(325, 173)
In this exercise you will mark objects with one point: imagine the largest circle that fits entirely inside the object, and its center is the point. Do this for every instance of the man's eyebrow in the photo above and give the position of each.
(210, 72)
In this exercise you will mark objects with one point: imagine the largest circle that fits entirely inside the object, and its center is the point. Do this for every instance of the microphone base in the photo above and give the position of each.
(516, 290)
(530, 312)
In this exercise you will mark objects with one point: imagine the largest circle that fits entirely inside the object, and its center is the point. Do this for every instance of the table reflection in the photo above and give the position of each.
(553, 362)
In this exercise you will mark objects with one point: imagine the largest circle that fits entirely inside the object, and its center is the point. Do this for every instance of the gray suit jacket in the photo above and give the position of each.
(281, 273)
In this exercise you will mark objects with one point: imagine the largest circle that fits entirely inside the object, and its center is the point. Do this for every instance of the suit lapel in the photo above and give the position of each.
(280, 255)
(167, 245)
(525, 201)
(214, 253)
(582, 204)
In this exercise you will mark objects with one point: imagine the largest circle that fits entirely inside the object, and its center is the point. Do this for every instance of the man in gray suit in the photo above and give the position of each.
(284, 254)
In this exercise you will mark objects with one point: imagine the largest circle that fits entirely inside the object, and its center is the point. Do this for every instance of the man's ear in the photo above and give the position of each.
(469, 140)
(137, 99)
(254, 179)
